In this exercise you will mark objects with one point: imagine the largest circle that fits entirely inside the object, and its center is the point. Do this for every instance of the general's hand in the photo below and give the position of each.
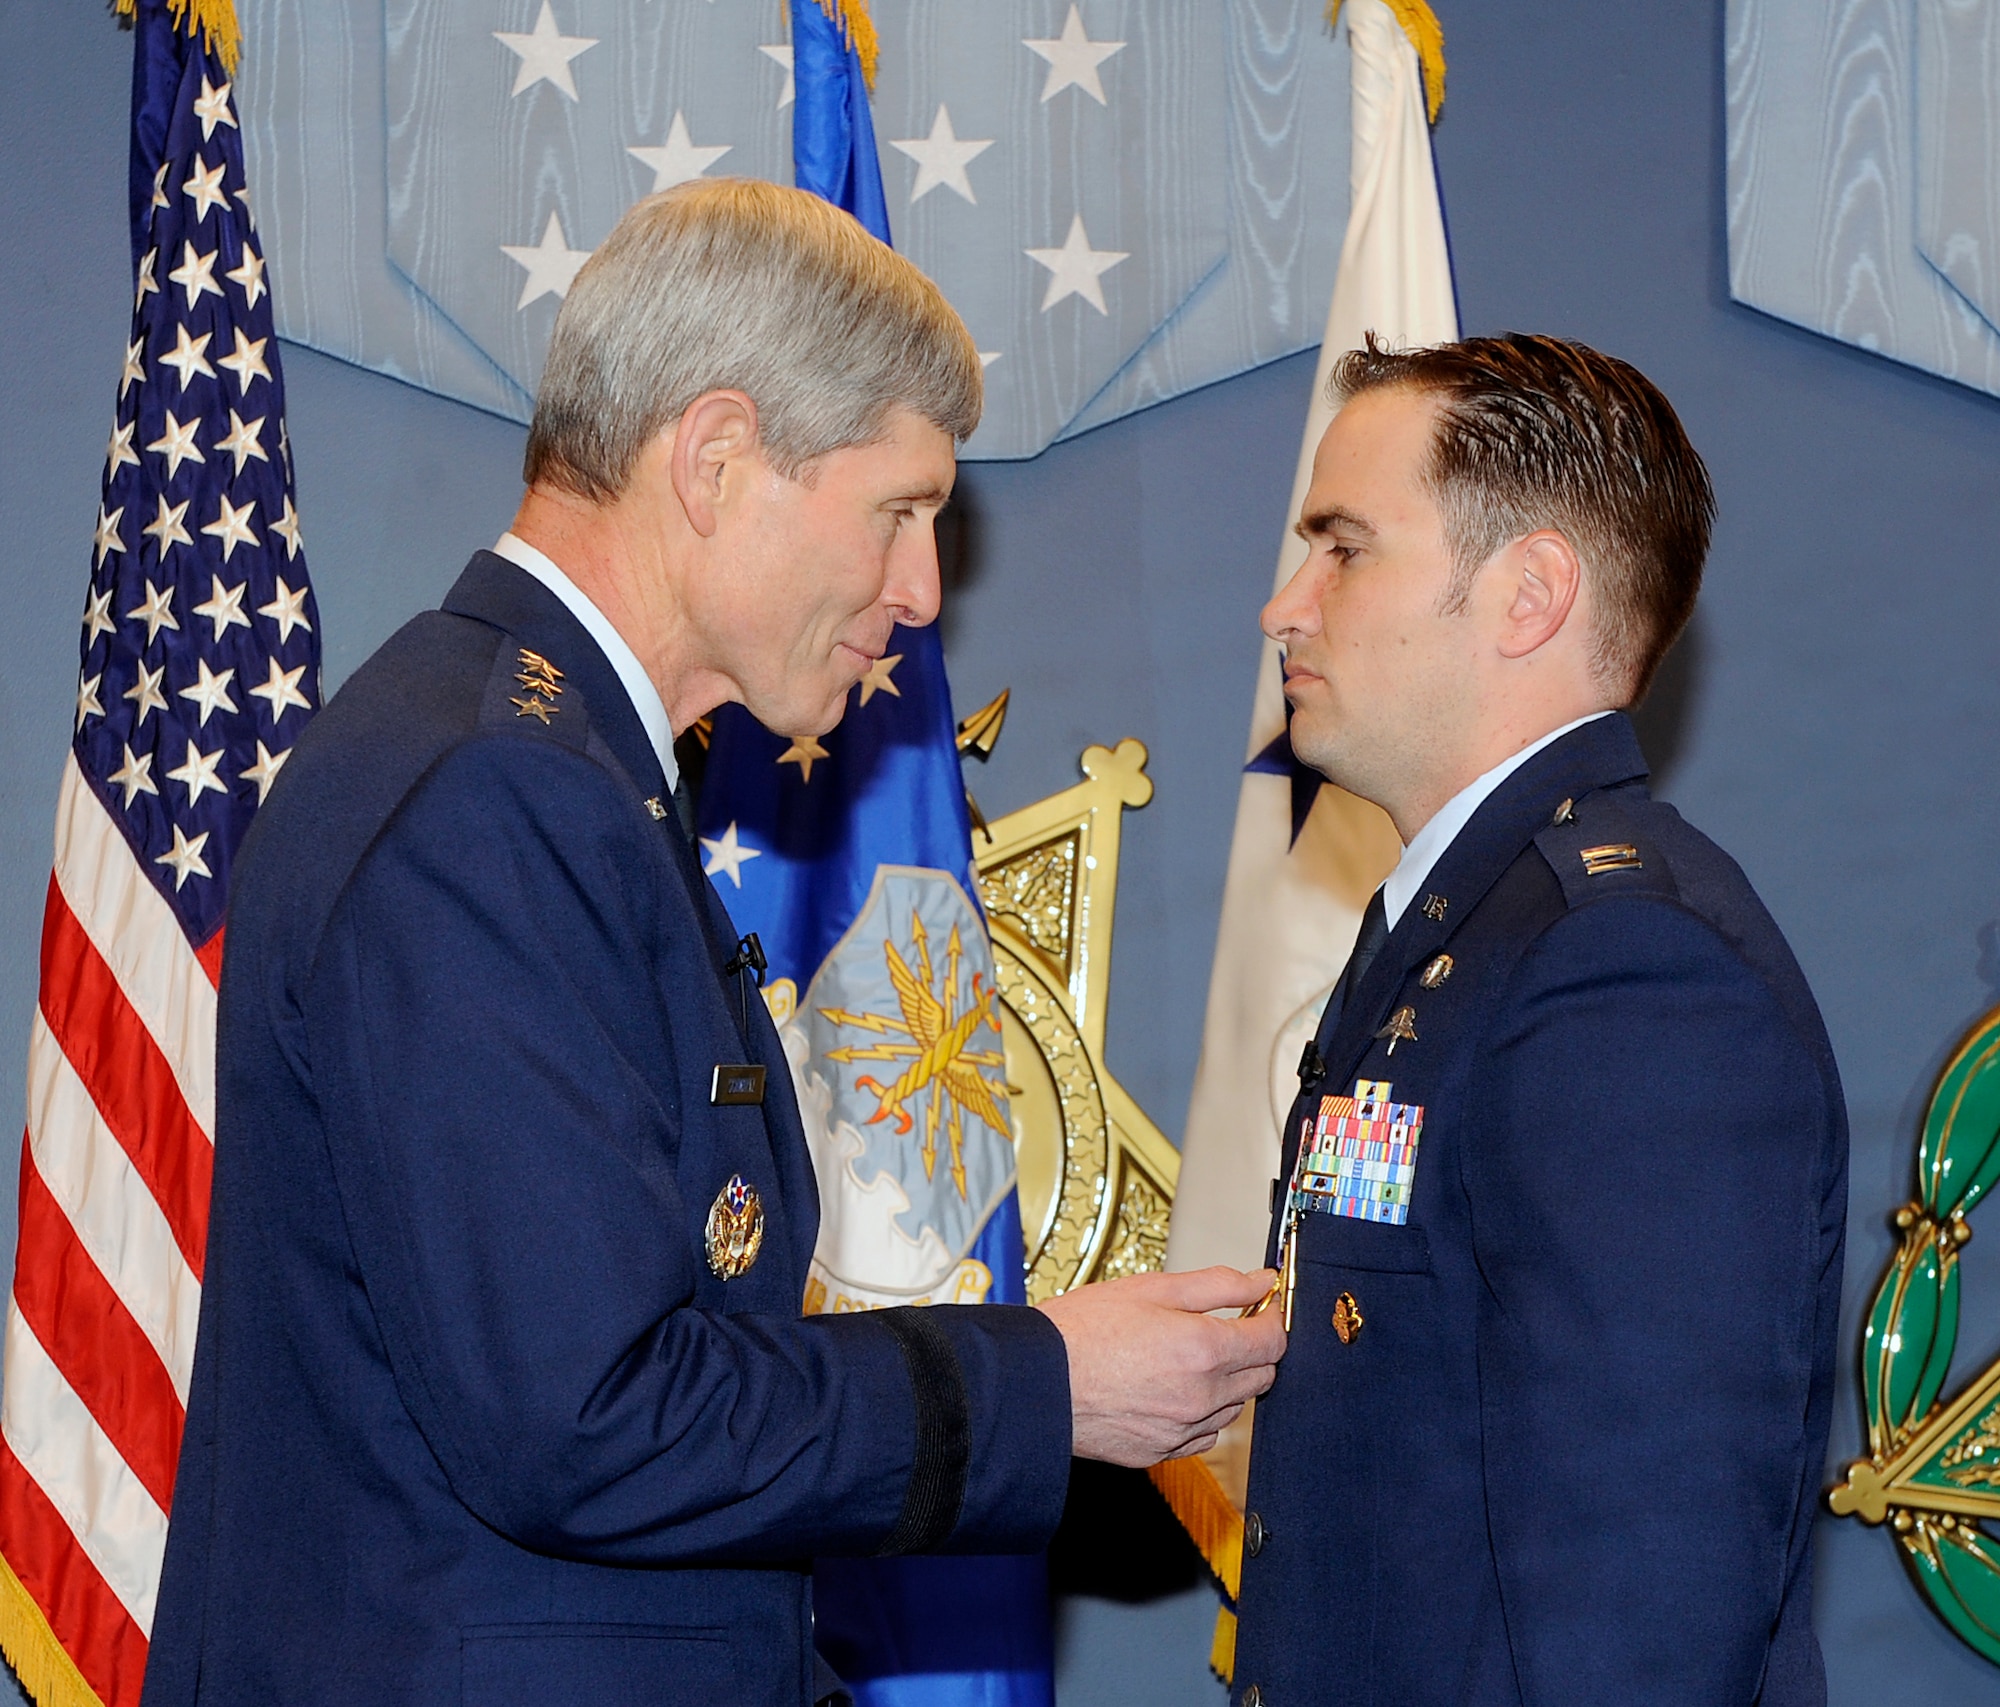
(1152, 1376)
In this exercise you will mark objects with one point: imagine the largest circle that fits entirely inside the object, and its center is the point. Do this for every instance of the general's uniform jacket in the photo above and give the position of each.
(1557, 1438)
(473, 1417)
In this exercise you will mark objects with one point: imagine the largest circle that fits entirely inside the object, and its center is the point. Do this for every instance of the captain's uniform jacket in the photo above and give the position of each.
(473, 1419)
(1557, 1438)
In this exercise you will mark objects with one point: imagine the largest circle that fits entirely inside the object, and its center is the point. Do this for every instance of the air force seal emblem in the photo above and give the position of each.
(897, 1051)
(735, 1231)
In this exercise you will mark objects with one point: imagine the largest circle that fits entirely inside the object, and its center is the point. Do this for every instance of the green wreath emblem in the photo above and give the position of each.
(1933, 1469)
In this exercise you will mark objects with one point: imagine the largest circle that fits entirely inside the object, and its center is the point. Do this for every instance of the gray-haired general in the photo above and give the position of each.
(503, 1392)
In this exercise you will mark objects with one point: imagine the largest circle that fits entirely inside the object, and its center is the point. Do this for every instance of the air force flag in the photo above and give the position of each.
(850, 857)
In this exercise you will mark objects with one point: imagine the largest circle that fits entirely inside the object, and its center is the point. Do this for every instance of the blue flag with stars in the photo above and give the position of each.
(201, 655)
(851, 857)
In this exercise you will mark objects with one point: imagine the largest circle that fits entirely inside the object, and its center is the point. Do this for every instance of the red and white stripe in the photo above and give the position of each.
(99, 1339)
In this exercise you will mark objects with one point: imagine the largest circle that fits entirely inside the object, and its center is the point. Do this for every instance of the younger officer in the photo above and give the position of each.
(1560, 1227)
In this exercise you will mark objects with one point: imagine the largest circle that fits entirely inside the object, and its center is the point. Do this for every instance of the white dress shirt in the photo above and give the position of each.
(639, 687)
(1428, 845)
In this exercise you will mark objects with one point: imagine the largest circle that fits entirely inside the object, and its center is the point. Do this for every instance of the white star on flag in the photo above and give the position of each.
(727, 855)
(679, 160)
(160, 196)
(265, 771)
(244, 440)
(286, 527)
(167, 529)
(246, 361)
(231, 525)
(197, 773)
(156, 610)
(185, 856)
(1073, 59)
(288, 609)
(147, 284)
(282, 690)
(552, 265)
(224, 606)
(212, 108)
(196, 276)
(780, 54)
(545, 54)
(204, 187)
(87, 702)
(942, 158)
(120, 451)
(145, 693)
(97, 611)
(135, 775)
(250, 275)
(108, 539)
(185, 357)
(210, 691)
(135, 370)
(1076, 269)
(177, 444)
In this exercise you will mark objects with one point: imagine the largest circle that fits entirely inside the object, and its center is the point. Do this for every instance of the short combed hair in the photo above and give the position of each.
(731, 283)
(1537, 432)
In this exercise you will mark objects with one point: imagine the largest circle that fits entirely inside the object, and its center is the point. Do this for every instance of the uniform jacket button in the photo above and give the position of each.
(1253, 1697)
(1253, 1535)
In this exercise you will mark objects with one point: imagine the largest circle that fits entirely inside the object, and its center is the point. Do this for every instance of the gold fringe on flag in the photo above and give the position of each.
(1426, 36)
(215, 19)
(45, 1669)
(856, 25)
(1213, 1523)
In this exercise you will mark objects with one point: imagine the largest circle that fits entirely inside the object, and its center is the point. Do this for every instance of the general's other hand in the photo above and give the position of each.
(1151, 1375)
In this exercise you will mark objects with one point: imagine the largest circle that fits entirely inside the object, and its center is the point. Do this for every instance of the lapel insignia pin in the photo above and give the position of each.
(1402, 1028)
(653, 806)
(1311, 1068)
(1347, 1318)
(1566, 812)
(1434, 906)
(1612, 856)
(735, 1232)
(1437, 972)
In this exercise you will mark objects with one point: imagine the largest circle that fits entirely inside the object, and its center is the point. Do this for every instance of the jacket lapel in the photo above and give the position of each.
(1601, 754)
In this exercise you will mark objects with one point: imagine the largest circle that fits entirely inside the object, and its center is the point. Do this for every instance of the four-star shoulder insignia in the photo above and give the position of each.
(543, 682)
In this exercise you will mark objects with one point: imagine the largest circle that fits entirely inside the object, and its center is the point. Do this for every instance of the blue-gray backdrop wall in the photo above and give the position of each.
(1831, 717)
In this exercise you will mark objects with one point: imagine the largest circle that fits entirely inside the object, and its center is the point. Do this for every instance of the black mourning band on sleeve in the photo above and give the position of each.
(944, 1434)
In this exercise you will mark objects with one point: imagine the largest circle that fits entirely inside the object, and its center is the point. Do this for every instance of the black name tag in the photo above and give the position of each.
(732, 1084)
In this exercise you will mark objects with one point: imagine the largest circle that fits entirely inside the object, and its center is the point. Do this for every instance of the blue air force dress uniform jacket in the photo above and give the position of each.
(473, 1416)
(1552, 1422)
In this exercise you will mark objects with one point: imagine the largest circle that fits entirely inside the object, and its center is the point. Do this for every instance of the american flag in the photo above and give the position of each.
(200, 665)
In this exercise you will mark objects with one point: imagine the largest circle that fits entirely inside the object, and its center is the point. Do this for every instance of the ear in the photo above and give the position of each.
(1547, 577)
(705, 449)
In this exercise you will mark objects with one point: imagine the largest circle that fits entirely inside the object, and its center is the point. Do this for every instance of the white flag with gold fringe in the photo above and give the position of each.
(1305, 857)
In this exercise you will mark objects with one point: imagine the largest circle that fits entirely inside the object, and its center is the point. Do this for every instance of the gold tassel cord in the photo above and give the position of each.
(215, 20)
(859, 29)
(1205, 1510)
(1426, 36)
(45, 1669)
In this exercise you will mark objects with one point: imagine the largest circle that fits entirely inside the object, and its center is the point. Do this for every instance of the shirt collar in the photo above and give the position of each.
(638, 685)
(1428, 845)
